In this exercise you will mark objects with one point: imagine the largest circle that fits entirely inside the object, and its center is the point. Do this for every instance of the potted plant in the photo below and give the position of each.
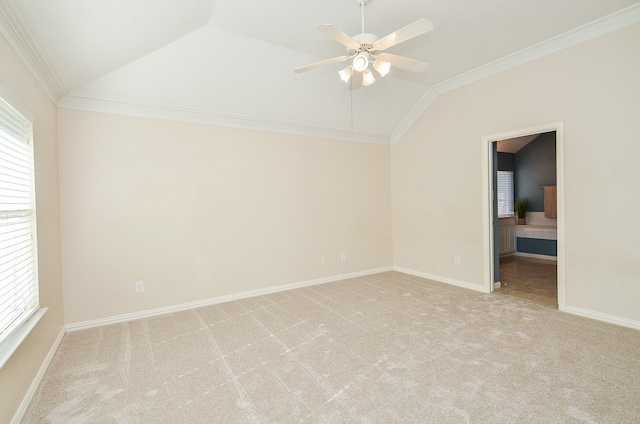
(522, 206)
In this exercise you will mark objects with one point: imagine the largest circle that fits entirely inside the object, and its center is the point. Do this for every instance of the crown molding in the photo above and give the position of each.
(16, 28)
(591, 30)
(91, 103)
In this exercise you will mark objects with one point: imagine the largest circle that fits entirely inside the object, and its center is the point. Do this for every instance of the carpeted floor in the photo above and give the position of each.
(388, 348)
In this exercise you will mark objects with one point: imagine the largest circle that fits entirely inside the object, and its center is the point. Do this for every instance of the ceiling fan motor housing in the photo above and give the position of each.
(364, 47)
(366, 41)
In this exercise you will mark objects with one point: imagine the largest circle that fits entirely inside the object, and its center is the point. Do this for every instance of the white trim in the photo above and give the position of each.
(17, 30)
(440, 279)
(416, 112)
(13, 342)
(220, 299)
(561, 219)
(487, 209)
(16, 104)
(487, 205)
(536, 256)
(86, 102)
(611, 319)
(611, 22)
(604, 25)
(17, 417)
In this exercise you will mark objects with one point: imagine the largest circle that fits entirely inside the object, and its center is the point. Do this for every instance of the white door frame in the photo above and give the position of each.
(487, 201)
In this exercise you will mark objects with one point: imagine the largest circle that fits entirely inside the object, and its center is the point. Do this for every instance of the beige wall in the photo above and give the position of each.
(199, 212)
(18, 373)
(437, 173)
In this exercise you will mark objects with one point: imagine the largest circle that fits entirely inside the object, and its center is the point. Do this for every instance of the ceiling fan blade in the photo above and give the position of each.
(412, 30)
(320, 64)
(355, 82)
(340, 36)
(403, 62)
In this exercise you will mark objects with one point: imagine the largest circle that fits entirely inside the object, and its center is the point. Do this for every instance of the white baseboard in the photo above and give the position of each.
(221, 299)
(611, 319)
(440, 279)
(536, 256)
(38, 378)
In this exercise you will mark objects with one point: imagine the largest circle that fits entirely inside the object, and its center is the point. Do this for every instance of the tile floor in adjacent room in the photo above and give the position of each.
(529, 278)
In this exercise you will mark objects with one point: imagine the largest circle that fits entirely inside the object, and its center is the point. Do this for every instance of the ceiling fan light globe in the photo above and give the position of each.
(382, 67)
(346, 73)
(368, 78)
(361, 62)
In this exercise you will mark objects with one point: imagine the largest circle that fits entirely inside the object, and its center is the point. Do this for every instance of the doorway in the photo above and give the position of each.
(523, 267)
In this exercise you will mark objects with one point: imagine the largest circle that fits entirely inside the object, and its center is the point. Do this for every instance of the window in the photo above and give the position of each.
(18, 258)
(505, 193)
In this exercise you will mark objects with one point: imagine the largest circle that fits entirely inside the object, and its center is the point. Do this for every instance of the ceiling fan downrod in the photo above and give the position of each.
(362, 3)
(363, 49)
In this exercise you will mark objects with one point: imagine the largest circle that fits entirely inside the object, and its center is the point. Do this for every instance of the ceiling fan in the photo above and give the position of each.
(365, 49)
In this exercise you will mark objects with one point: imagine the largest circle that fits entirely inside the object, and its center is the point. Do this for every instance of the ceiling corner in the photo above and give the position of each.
(16, 29)
(620, 19)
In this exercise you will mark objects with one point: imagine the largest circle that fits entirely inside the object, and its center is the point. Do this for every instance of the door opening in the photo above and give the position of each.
(525, 245)
(500, 232)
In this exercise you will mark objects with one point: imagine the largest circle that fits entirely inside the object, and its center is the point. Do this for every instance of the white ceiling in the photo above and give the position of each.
(235, 59)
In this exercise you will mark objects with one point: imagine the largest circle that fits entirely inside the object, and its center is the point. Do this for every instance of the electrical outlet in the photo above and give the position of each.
(139, 286)
(456, 260)
(323, 260)
(343, 257)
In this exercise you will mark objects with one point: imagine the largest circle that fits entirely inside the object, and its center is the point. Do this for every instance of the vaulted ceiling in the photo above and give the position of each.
(231, 62)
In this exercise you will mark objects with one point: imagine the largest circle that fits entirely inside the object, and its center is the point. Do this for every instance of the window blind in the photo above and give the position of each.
(505, 193)
(18, 269)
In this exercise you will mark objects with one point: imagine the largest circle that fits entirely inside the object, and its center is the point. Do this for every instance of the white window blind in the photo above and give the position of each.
(18, 269)
(505, 193)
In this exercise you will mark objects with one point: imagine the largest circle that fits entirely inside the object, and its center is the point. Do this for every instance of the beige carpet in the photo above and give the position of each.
(388, 348)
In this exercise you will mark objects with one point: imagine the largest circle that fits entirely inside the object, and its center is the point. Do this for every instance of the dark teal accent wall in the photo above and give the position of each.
(506, 161)
(535, 166)
(537, 246)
